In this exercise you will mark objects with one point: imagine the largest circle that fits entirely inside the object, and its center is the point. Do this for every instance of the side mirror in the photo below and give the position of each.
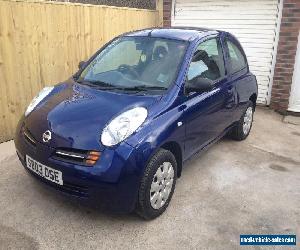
(199, 84)
(81, 64)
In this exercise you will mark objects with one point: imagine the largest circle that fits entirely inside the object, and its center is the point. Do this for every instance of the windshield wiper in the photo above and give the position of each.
(143, 88)
(108, 86)
(97, 84)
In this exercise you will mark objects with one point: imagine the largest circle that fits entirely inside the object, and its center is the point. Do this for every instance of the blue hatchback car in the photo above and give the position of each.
(118, 132)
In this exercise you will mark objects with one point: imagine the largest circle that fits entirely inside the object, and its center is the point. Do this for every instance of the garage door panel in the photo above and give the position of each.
(225, 16)
(262, 77)
(251, 32)
(262, 74)
(252, 22)
(227, 2)
(257, 56)
(254, 50)
(222, 26)
(214, 6)
(226, 21)
(257, 40)
(262, 84)
(251, 52)
(261, 98)
(252, 45)
(247, 36)
(262, 88)
(262, 91)
(204, 2)
(259, 70)
(256, 61)
(220, 10)
(232, 25)
(258, 64)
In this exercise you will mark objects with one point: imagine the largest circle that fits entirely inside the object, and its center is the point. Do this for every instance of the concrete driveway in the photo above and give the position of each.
(234, 188)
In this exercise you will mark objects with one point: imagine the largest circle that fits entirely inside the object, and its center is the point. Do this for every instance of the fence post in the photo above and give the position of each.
(159, 8)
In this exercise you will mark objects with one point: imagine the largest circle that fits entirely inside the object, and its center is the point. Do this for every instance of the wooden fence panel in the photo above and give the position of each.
(41, 44)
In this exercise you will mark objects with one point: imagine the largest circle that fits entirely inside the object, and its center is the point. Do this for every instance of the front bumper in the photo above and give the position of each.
(111, 183)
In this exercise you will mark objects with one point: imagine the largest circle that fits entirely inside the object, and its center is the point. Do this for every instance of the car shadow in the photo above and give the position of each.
(82, 207)
(78, 205)
(67, 203)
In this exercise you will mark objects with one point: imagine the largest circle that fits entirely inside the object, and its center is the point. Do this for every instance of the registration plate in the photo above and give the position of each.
(44, 171)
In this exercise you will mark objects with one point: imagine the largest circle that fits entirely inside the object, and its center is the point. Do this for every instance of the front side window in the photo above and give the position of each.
(207, 61)
(131, 62)
(237, 60)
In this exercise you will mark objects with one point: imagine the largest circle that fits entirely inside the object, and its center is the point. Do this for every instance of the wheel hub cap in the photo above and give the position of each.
(161, 185)
(247, 120)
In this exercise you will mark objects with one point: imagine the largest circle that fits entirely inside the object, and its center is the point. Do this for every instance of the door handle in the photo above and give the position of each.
(230, 90)
(231, 98)
(182, 107)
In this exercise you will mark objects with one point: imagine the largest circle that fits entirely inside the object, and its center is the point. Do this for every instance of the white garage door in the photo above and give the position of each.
(253, 22)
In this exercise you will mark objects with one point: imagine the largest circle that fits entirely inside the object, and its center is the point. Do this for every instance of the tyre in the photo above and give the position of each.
(157, 185)
(242, 129)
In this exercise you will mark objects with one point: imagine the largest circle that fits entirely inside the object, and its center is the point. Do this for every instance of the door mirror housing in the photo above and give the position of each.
(81, 64)
(199, 85)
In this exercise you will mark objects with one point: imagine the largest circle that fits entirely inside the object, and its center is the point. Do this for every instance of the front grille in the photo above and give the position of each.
(77, 156)
(70, 155)
(77, 190)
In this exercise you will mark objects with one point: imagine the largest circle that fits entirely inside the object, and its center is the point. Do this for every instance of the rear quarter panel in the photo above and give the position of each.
(246, 86)
(245, 81)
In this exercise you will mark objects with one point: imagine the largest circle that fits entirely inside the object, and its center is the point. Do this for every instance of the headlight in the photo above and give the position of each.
(123, 126)
(36, 100)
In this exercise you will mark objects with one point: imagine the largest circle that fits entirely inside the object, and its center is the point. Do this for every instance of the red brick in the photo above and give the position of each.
(287, 46)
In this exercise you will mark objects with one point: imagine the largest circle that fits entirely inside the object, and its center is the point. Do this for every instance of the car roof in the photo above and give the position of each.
(177, 33)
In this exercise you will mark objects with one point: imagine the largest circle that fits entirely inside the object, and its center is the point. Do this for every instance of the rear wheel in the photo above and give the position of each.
(242, 129)
(157, 185)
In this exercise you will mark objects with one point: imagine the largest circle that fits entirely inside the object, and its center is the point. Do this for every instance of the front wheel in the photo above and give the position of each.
(242, 129)
(157, 185)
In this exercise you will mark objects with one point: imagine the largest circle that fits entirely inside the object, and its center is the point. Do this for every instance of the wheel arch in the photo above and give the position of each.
(253, 99)
(176, 150)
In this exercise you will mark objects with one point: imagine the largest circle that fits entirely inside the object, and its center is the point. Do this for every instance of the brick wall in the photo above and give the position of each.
(167, 12)
(286, 52)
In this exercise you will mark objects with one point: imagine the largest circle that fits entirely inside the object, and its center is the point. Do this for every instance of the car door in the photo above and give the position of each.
(208, 114)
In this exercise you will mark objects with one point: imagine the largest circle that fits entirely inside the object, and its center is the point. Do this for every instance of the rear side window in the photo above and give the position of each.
(207, 61)
(237, 60)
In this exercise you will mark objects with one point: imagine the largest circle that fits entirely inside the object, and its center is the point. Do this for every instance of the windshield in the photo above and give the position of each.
(138, 63)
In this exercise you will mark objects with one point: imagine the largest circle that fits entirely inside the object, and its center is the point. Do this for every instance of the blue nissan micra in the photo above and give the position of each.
(118, 131)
